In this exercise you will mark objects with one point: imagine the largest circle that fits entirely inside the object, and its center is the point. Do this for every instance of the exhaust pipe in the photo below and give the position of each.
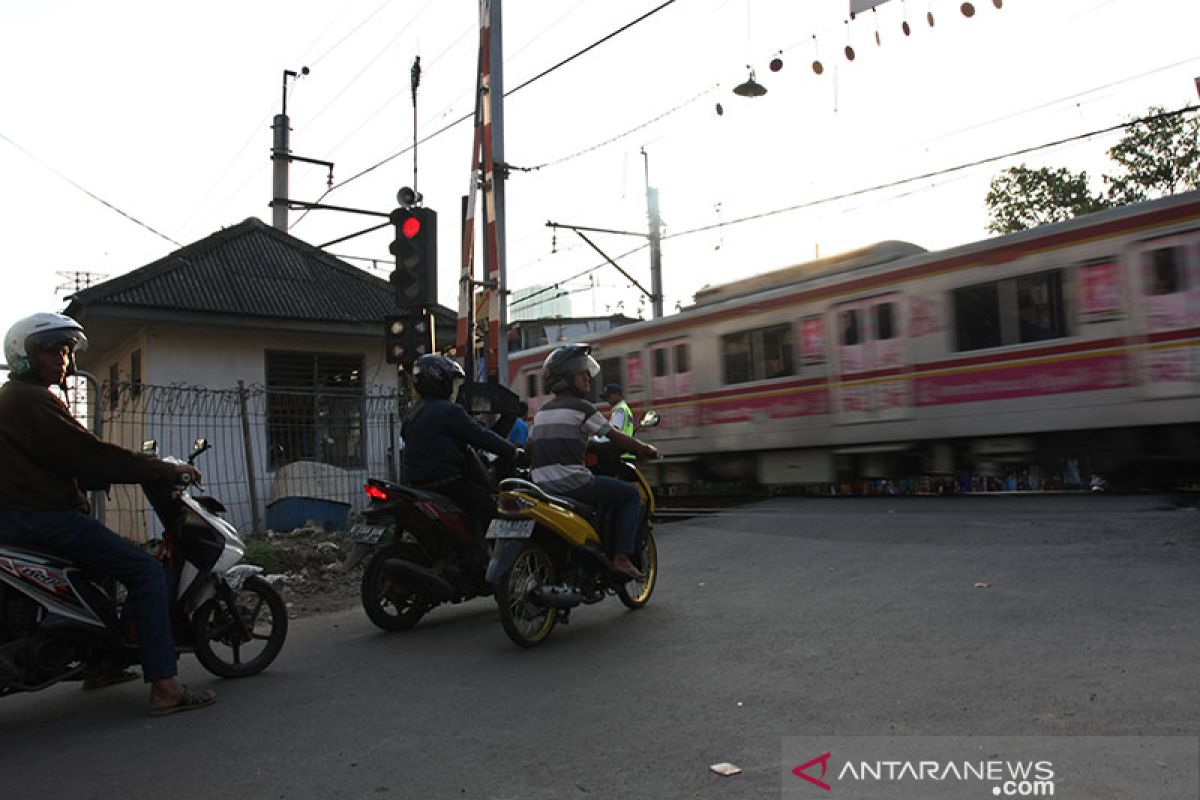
(420, 580)
(555, 596)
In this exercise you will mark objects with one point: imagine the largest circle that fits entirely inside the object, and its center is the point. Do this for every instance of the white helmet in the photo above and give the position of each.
(37, 332)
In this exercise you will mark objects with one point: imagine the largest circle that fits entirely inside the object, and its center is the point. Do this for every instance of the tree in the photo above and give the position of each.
(1159, 155)
(1021, 198)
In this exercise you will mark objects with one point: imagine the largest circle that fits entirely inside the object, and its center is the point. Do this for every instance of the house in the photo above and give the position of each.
(269, 347)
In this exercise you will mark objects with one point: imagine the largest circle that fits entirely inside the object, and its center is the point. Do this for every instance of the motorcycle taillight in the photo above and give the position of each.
(374, 492)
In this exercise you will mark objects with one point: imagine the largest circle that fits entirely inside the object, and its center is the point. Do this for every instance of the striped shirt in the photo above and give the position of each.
(558, 442)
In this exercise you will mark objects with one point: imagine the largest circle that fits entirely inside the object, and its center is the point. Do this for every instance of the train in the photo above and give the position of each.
(1032, 360)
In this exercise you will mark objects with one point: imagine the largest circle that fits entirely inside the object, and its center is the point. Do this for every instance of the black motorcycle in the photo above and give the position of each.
(424, 551)
(60, 623)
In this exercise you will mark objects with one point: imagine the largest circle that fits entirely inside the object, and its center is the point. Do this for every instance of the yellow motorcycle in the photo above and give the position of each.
(550, 557)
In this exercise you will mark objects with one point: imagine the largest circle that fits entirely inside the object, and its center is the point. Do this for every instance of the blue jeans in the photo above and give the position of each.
(624, 500)
(82, 539)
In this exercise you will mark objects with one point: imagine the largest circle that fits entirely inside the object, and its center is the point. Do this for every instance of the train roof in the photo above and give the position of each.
(871, 255)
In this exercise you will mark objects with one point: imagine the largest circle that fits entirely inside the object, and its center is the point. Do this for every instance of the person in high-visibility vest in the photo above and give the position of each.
(620, 417)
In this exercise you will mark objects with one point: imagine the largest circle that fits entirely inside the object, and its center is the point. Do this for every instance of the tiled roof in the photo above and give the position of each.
(248, 270)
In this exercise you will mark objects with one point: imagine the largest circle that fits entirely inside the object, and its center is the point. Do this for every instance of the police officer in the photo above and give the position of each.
(620, 417)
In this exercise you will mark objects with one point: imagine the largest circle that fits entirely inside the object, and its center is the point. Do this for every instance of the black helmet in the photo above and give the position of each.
(434, 375)
(560, 366)
(612, 388)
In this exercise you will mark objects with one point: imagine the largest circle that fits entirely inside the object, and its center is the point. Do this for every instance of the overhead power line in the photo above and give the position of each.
(878, 187)
(95, 197)
(508, 93)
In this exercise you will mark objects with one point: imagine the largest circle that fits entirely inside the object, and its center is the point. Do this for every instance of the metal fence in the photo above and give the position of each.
(279, 459)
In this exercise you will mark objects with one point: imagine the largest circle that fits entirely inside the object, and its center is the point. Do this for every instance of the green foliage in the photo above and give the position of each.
(272, 557)
(1159, 155)
(1020, 198)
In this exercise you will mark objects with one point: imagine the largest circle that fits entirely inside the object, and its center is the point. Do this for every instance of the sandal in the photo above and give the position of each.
(188, 701)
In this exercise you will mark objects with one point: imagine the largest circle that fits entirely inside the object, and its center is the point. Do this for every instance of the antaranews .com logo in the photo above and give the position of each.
(1006, 778)
(984, 767)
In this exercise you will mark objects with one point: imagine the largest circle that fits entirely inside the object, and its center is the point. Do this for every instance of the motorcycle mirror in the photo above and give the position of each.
(650, 419)
(150, 447)
(200, 445)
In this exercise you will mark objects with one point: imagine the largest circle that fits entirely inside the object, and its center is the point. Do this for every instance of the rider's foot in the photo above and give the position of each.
(169, 695)
(626, 567)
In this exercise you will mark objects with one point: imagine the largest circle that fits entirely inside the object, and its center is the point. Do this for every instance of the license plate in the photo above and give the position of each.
(510, 529)
(366, 534)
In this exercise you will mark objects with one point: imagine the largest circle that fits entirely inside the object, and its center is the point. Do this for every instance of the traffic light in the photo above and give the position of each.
(415, 249)
(407, 338)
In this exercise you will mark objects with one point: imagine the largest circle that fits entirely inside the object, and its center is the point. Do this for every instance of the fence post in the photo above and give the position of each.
(248, 446)
(391, 449)
(96, 496)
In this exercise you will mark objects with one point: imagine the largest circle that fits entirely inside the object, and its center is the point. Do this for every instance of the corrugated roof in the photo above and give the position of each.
(249, 270)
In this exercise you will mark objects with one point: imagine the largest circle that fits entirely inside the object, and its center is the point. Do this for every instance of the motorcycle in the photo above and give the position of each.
(423, 551)
(60, 623)
(549, 556)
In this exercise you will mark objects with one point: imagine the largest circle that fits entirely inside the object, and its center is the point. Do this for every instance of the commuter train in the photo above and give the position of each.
(1029, 360)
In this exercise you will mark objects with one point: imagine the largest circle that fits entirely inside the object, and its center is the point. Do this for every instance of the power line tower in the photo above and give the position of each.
(78, 280)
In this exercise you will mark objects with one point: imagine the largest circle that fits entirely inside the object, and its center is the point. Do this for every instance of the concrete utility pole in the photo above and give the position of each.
(656, 293)
(281, 159)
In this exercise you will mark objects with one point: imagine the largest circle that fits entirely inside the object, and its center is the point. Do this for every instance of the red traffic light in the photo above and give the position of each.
(410, 228)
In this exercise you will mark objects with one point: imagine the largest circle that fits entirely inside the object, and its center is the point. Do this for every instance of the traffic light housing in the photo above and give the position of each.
(415, 250)
(406, 338)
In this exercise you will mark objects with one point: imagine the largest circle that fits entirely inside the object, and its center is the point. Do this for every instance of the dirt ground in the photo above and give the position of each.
(307, 567)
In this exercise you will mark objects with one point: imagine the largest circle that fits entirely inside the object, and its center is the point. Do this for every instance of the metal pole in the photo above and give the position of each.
(415, 81)
(248, 447)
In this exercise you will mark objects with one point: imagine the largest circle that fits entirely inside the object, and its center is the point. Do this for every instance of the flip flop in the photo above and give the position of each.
(188, 701)
(109, 679)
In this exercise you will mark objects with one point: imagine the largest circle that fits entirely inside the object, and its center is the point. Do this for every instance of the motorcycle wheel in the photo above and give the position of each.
(525, 623)
(635, 594)
(390, 606)
(221, 646)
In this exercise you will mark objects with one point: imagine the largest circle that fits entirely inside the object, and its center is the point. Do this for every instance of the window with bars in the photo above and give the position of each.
(315, 408)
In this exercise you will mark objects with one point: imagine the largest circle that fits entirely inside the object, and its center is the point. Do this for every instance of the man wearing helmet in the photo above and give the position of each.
(46, 460)
(435, 430)
(558, 444)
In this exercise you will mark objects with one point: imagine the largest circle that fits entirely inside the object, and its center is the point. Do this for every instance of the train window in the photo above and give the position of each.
(1040, 308)
(977, 317)
(851, 327)
(1164, 271)
(660, 362)
(1030, 308)
(885, 321)
(758, 354)
(681, 359)
(735, 353)
(610, 372)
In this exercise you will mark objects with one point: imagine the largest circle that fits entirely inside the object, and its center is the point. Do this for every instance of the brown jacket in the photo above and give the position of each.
(46, 455)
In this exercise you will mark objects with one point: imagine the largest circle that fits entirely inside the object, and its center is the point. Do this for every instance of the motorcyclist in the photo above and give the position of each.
(47, 459)
(558, 445)
(435, 430)
(620, 416)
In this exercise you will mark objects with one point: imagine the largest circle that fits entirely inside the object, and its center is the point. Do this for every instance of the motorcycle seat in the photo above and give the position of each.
(530, 488)
(37, 556)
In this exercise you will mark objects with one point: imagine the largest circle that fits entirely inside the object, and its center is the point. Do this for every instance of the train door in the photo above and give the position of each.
(872, 381)
(1166, 273)
(671, 386)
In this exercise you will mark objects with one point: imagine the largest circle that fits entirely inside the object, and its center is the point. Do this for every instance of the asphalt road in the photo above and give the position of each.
(996, 616)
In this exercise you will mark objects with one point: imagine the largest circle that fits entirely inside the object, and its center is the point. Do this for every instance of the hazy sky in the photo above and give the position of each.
(163, 110)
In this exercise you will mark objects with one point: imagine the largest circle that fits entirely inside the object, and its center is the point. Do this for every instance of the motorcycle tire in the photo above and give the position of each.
(221, 646)
(525, 623)
(635, 594)
(390, 606)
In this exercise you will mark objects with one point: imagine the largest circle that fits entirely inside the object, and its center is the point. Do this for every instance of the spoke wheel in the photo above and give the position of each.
(232, 650)
(635, 594)
(389, 604)
(526, 623)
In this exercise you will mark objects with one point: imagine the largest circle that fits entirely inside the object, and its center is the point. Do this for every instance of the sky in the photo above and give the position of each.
(130, 128)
